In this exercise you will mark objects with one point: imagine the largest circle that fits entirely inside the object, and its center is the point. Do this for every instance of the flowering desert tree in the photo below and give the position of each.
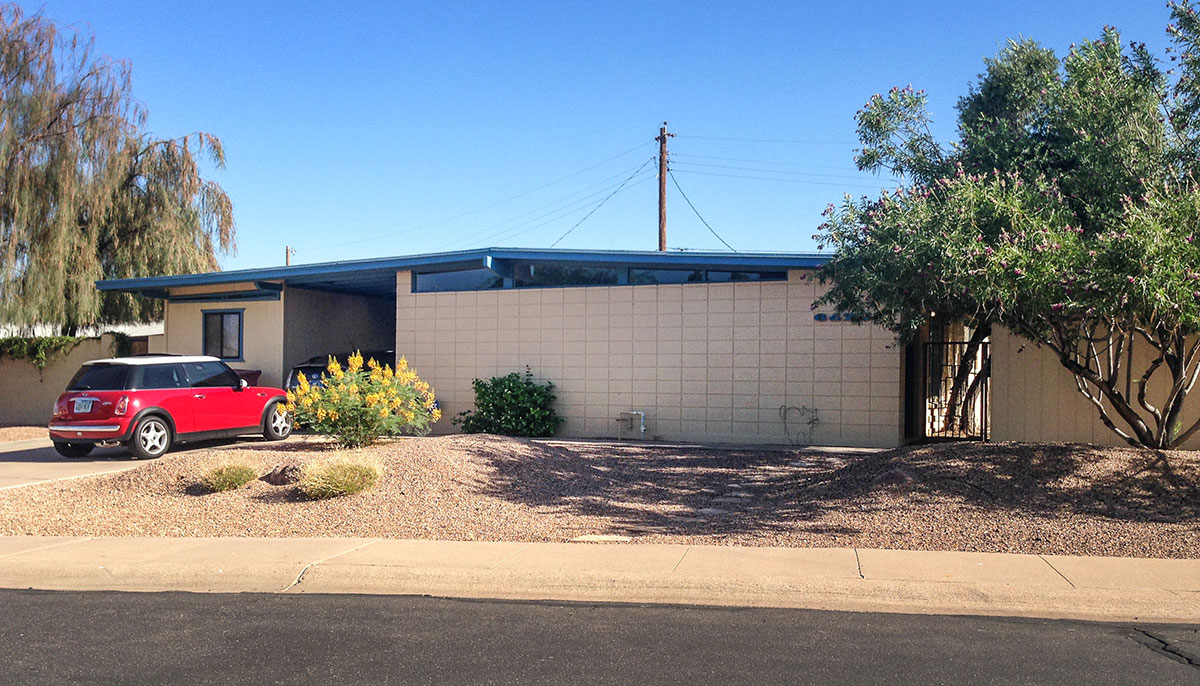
(1067, 211)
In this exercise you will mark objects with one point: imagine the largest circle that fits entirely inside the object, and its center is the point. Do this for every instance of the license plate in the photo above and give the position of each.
(82, 406)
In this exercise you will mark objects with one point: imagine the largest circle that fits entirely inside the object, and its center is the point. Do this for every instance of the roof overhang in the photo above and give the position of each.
(377, 277)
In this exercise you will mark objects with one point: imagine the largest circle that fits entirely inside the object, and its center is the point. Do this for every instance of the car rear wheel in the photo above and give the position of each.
(151, 439)
(73, 449)
(278, 424)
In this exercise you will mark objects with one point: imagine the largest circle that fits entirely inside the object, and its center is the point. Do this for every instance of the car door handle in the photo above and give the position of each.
(198, 396)
(262, 395)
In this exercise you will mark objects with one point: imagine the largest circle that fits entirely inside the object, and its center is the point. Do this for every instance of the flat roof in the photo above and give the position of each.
(376, 276)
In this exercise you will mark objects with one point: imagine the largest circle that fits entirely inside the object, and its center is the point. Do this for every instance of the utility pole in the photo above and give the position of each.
(288, 251)
(662, 186)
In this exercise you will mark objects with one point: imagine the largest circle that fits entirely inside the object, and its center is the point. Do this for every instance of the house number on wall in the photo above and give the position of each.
(838, 317)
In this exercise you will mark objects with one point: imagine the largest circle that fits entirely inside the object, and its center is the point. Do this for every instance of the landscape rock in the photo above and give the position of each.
(895, 477)
(282, 475)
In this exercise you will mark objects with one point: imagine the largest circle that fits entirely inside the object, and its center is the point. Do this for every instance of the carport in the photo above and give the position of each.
(273, 318)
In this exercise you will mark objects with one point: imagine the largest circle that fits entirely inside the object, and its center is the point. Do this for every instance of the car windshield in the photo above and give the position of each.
(380, 356)
(99, 377)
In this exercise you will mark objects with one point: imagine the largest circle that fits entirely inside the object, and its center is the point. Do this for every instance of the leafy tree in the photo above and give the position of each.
(85, 192)
(1067, 211)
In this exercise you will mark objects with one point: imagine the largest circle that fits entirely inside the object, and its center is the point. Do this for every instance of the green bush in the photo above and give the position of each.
(227, 477)
(38, 350)
(329, 479)
(511, 406)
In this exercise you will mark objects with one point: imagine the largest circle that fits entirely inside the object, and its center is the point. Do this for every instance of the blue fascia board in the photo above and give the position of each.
(384, 264)
(247, 296)
(488, 257)
(620, 258)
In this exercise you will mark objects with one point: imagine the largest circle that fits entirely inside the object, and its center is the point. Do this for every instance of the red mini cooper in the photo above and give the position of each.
(151, 402)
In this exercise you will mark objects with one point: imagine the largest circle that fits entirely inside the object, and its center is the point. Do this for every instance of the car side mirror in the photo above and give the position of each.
(242, 384)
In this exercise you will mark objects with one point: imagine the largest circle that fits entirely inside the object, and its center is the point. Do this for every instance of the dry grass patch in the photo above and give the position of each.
(337, 477)
(227, 477)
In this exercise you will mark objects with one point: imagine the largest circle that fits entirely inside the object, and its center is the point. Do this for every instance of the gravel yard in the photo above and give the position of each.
(1046, 498)
(22, 433)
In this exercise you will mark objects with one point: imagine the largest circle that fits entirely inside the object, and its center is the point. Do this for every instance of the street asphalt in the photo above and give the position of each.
(109, 637)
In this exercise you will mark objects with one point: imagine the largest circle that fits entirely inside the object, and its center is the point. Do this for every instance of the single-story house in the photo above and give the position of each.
(700, 346)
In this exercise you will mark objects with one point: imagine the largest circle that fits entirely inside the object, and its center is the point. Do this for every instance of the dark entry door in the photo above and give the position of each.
(955, 394)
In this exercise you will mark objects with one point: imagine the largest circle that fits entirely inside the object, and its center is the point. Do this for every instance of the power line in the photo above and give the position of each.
(601, 203)
(768, 178)
(843, 168)
(559, 202)
(767, 140)
(776, 171)
(689, 202)
(509, 235)
(486, 207)
(501, 232)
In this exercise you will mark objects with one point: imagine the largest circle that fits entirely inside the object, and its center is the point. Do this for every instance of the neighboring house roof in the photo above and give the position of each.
(155, 359)
(135, 330)
(377, 276)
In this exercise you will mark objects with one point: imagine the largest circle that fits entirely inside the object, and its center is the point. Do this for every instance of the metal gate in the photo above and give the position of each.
(956, 389)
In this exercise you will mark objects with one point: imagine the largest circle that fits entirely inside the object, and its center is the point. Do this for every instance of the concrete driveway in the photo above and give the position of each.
(34, 461)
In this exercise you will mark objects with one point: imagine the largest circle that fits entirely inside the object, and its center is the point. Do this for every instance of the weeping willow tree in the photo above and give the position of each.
(85, 192)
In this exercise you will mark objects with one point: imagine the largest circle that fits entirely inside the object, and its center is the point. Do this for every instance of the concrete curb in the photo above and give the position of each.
(1108, 589)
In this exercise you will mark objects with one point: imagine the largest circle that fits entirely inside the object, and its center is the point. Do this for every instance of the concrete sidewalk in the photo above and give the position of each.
(1115, 589)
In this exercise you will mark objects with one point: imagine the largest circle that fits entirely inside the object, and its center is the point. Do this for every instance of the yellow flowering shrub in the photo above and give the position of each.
(358, 404)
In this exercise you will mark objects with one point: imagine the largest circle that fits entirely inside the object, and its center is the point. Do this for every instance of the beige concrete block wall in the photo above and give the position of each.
(319, 323)
(706, 362)
(1034, 398)
(28, 396)
(262, 330)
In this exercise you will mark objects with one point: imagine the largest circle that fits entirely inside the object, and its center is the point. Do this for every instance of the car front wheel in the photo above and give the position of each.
(73, 449)
(278, 424)
(151, 439)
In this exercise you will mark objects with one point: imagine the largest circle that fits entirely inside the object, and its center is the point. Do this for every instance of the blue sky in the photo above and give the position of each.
(358, 130)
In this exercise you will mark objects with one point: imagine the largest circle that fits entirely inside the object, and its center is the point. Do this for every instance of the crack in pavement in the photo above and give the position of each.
(1163, 647)
(48, 546)
(300, 576)
(1064, 576)
(680, 560)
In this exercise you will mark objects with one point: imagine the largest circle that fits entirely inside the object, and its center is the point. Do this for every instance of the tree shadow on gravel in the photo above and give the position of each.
(667, 487)
(1045, 479)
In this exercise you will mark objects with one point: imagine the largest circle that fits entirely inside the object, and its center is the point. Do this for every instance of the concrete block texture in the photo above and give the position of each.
(680, 351)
